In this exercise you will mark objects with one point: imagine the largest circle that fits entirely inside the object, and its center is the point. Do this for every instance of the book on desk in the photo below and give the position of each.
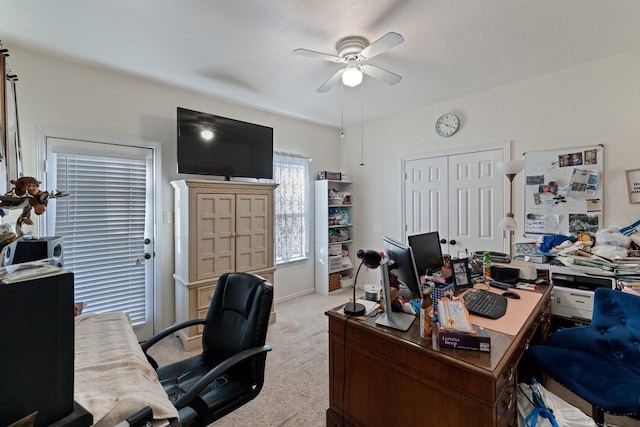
(455, 329)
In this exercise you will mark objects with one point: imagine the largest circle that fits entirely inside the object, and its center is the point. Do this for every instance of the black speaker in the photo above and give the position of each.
(33, 250)
(36, 360)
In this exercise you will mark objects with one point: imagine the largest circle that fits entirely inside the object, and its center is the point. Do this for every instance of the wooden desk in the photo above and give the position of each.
(394, 378)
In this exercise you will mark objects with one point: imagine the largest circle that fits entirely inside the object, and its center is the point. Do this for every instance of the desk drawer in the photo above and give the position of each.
(507, 407)
(203, 298)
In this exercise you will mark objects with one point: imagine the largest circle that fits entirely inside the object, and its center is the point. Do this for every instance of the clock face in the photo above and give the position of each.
(447, 124)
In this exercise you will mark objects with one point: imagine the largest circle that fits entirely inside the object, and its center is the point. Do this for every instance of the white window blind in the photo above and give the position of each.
(103, 226)
(292, 200)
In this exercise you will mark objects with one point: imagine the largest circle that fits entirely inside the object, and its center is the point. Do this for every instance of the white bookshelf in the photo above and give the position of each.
(332, 233)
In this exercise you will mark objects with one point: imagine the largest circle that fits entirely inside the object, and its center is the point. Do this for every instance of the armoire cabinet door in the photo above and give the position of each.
(253, 225)
(214, 237)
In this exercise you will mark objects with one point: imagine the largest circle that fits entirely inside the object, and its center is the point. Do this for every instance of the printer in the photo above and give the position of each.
(573, 291)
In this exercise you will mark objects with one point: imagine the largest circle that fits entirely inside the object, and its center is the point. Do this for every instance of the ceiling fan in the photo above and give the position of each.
(355, 51)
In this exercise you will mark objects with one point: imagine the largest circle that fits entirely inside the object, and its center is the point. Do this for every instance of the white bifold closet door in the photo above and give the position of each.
(460, 195)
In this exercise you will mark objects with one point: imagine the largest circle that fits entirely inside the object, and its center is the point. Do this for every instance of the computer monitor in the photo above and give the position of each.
(427, 252)
(404, 265)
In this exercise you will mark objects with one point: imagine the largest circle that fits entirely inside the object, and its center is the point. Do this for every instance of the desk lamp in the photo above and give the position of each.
(371, 259)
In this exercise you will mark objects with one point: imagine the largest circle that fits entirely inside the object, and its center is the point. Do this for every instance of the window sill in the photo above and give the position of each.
(292, 262)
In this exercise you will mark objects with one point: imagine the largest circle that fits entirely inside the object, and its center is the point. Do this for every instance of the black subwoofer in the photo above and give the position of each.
(36, 357)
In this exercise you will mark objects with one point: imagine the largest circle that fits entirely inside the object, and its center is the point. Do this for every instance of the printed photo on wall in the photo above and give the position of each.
(584, 183)
(591, 157)
(551, 187)
(571, 159)
(583, 223)
(541, 224)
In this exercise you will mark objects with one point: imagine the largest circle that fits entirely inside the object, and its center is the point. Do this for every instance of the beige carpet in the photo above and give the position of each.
(296, 390)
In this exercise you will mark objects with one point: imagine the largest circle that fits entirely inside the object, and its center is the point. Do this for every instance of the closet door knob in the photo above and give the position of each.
(452, 242)
(443, 241)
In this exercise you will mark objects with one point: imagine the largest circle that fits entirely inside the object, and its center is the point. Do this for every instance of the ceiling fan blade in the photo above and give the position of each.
(317, 55)
(333, 80)
(380, 74)
(383, 44)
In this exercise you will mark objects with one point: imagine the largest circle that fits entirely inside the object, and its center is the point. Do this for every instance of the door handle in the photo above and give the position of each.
(443, 241)
(452, 242)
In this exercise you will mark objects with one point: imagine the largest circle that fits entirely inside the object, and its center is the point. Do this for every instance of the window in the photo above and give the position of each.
(291, 173)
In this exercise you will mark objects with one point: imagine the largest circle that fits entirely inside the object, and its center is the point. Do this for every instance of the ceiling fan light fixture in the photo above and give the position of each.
(352, 76)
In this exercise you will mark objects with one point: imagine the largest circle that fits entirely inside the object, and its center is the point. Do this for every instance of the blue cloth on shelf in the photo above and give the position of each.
(550, 242)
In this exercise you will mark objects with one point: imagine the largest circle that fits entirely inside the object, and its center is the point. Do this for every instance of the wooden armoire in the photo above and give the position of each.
(220, 227)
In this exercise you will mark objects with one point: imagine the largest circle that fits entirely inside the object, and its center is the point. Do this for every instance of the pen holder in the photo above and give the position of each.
(438, 291)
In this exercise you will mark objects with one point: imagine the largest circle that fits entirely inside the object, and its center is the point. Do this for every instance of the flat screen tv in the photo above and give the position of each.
(215, 145)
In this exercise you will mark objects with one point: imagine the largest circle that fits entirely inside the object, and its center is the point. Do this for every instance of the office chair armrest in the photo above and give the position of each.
(168, 331)
(214, 373)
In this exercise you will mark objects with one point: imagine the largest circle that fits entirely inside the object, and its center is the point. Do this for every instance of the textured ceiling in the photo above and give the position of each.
(240, 50)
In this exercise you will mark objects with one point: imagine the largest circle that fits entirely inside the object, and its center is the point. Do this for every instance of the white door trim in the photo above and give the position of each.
(41, 135)
(505, 147)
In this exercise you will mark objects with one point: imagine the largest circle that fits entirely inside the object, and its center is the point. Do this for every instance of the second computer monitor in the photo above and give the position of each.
(427, 252)
(404, 266)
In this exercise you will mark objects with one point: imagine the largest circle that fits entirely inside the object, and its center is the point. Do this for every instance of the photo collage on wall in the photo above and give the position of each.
(563, 191)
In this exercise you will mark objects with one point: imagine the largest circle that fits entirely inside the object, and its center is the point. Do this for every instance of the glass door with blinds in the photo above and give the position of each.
(106, 224)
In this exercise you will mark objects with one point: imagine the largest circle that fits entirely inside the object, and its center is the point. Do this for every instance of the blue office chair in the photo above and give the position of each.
(601, 362)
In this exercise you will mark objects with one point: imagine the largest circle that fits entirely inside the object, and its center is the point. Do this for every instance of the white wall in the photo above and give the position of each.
(58, 94)
(596, 103)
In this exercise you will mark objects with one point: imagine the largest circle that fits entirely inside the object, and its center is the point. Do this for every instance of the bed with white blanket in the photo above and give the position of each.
(113, 378)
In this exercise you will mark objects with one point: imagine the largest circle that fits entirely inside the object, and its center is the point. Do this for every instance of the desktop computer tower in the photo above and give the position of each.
(37, 352)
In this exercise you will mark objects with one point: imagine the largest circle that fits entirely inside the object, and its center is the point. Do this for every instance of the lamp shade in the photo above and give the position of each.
(370, 258)
(352, 76)
(510, 167)
(508, 223)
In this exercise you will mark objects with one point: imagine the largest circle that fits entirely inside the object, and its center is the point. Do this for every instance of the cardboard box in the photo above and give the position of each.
(480, 341)
(333, 176)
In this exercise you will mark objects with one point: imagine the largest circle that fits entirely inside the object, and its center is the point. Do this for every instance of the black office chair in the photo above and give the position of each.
(601, 362)
(230, 370)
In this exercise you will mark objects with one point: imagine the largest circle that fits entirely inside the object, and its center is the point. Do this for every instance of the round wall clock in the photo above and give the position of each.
(447, 124)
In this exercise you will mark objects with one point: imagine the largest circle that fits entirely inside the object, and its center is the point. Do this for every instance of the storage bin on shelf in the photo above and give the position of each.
(335, 263)
(346, 281)
(334, 281)
(335, 250)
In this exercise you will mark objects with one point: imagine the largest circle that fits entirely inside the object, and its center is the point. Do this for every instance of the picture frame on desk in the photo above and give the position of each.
(461, 277)
(633, 185)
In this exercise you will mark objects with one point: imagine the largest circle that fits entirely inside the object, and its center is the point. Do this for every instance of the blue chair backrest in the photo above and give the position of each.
(615, 327)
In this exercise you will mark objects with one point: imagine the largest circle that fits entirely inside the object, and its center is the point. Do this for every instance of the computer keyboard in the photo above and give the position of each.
(485, 303)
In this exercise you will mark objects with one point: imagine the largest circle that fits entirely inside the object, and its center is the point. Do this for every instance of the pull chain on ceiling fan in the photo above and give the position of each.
(355, 51)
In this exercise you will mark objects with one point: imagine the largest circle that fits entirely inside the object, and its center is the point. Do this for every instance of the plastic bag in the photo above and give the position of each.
(565, 414)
